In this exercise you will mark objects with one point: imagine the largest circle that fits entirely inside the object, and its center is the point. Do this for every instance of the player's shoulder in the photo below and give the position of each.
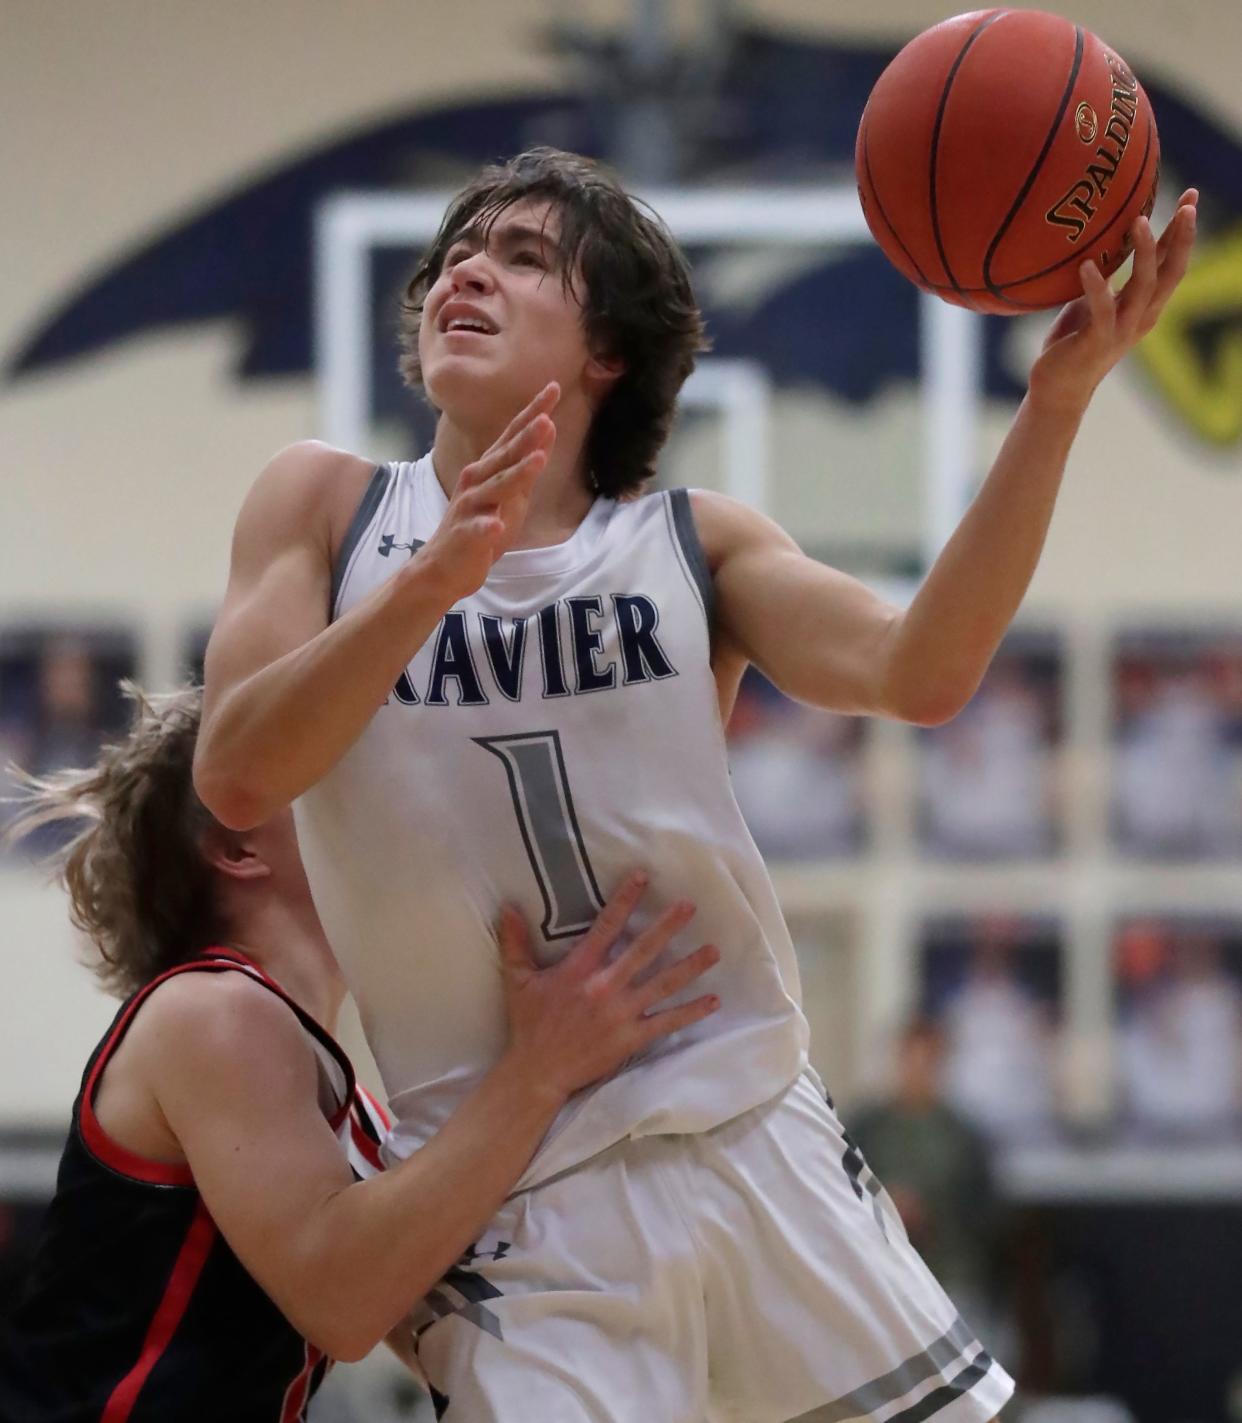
(725, 525)
(221, 1017)
(310, 468)
(308, 482)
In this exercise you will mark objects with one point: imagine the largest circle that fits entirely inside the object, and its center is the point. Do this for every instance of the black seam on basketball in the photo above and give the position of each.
(999, 291)
(1079, 45)
(935, 143)
(1103, 232)
(875, 193)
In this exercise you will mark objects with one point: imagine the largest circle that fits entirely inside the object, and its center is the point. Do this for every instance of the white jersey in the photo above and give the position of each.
(560, 727)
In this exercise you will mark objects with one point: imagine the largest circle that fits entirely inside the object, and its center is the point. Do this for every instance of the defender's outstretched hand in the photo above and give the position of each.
(1092, 333)
(490, 502)
(579, 1020)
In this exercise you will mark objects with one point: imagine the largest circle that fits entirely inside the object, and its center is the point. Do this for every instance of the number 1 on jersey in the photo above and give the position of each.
(544, 807)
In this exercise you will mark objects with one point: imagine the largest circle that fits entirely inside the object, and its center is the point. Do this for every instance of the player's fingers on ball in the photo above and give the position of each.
(1145, 246)
(1180, 229)
(675, 977)
(1173, 265)
(651, 943)
(672, 1020)
(1141, 288)
(1099, 298)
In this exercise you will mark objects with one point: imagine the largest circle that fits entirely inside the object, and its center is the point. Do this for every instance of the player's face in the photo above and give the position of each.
(500, 321)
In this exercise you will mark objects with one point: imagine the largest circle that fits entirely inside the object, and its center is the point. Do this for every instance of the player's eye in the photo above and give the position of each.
(528, 257)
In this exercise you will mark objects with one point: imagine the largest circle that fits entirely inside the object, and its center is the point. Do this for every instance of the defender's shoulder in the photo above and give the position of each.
(225, 1006)
(223, 1017)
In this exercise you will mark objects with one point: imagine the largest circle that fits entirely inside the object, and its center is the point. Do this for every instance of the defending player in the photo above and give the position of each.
(207, 1252)
(495, 673)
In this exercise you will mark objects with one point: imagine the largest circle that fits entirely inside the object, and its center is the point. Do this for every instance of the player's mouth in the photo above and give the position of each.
(458, 316)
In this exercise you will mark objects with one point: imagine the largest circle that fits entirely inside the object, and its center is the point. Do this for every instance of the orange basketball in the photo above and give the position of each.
(1000, 149)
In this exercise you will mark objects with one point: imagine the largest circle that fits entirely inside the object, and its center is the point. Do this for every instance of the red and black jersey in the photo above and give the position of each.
(136, 1310)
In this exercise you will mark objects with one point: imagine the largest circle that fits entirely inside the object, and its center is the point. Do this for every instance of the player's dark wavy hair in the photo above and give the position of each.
(637, 299)
(138, 884)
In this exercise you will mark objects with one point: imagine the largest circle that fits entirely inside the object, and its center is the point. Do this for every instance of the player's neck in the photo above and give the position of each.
(562, 496)
(287, 944)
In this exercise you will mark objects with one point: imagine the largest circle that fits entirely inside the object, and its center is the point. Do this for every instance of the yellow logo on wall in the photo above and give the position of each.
(1195, 353)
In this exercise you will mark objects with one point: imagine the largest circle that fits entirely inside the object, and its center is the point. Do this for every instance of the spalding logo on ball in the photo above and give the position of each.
(1001, 149)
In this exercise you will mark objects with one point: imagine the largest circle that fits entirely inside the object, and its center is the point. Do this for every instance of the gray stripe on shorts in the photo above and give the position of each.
(888, 1388)
(940, 1398)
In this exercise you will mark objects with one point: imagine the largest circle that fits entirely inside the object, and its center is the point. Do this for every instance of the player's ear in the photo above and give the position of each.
(233, 853)
(602, 372)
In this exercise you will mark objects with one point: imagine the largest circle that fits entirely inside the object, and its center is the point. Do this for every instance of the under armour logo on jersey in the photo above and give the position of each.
(502, 1249)
(388, 542)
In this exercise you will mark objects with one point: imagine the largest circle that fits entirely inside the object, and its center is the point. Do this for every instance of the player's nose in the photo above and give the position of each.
(472, 274)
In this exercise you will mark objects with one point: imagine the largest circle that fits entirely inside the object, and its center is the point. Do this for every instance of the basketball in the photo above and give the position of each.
(999, 150)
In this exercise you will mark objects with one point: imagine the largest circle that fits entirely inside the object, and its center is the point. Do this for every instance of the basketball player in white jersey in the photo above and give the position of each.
(502, 673)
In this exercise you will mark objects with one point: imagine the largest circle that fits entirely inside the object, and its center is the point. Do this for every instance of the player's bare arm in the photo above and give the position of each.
(824, 638)
(287, 691)
(220, 1074)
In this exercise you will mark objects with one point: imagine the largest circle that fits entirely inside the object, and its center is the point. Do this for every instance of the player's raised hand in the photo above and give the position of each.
(490, 503)
(579, 1020)
(1094, 332)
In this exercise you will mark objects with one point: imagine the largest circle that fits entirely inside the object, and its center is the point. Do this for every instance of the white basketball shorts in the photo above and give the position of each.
(755, 1273)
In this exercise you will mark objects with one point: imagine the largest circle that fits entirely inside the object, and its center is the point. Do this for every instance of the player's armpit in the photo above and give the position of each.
(816, 633)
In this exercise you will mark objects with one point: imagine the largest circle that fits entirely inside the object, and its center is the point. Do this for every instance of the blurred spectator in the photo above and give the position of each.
(999, 1026)
(796, 774)
(1180, 1048)
(987, 778)
(67, 730)
(1176, 728)
(58, 702)
(935, 1166)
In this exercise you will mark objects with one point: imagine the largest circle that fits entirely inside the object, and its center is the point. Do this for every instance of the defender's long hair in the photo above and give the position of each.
(138, 884)
(637, 300)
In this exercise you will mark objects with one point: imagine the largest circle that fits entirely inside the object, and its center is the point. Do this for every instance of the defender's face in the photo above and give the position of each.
(500, 321)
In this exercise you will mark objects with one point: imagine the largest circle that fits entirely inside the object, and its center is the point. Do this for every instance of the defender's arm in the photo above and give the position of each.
(233, 1076)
